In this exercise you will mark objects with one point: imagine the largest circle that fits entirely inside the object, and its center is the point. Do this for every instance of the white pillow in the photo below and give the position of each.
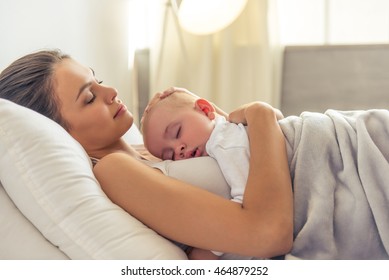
(203, 172)
(19, 238)
(133, 136)
(48, 176)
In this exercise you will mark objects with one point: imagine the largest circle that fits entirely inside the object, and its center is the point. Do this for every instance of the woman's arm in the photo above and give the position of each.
(268, 151)
(261, 226)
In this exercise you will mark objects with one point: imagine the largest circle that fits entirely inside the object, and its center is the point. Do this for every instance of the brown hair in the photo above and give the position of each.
(28, 81)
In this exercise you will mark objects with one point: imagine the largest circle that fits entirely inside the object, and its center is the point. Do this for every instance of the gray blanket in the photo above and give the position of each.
(339, 165)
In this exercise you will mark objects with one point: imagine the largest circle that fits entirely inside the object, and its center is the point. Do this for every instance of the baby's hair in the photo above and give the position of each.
(179, 99)
(176, 100)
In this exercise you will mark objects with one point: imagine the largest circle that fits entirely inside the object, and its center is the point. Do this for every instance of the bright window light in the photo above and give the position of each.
(138, 26)
(317, 22)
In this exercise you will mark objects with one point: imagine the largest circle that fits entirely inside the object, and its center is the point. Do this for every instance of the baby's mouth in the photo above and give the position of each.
(195, 153)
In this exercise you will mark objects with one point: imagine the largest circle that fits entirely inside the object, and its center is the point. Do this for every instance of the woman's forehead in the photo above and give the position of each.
(69, 78)
(71, 68)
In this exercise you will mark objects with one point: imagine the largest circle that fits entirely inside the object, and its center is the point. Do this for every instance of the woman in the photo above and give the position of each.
(60, 88)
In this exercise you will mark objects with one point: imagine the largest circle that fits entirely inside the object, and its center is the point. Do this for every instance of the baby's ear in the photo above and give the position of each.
(206, 107)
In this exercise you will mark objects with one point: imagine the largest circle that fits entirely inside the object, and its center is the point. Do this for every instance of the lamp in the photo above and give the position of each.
(200, 17)
(204, 17)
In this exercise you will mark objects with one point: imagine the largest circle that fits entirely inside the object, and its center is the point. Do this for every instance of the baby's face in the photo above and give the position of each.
(177, 134)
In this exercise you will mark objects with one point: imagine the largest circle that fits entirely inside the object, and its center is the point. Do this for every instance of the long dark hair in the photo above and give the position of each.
(29, 82)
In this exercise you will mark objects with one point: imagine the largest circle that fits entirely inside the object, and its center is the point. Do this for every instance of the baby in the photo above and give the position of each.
(182, 126)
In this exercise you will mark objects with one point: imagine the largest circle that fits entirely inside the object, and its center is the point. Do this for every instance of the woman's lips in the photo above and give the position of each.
(122, 108)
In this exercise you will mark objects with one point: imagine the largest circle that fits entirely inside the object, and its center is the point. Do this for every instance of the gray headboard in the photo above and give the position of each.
(317, 78)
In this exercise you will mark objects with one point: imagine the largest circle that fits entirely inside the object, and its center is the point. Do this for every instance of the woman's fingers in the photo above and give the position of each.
(240, 114)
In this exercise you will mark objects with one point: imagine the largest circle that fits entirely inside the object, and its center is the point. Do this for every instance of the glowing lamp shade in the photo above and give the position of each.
(204, 17)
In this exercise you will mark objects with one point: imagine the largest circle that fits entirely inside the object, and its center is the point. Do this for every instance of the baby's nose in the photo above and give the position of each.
(180, 152)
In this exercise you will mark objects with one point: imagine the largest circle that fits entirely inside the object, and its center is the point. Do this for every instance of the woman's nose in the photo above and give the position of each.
(111, 94)
(180, 152)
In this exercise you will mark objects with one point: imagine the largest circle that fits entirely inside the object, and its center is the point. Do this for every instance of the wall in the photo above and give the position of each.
(95, 32)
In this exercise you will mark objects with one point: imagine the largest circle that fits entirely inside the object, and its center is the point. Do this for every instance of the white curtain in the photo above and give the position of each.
(239, 64)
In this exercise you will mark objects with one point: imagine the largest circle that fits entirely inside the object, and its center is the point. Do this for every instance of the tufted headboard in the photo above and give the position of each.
(343, 77)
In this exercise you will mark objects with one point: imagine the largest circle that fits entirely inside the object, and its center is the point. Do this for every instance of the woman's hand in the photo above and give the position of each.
(171, 90)
(161, 95)
(244, 112)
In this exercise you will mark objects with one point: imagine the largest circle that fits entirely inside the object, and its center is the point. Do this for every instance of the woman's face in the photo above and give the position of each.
(96, 118)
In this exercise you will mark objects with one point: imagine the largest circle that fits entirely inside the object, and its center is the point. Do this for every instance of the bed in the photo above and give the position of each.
(52, 207)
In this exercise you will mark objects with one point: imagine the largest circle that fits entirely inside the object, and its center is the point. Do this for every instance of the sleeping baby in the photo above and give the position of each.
(182, 126)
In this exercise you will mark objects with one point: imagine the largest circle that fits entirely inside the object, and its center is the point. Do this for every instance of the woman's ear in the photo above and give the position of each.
(206, 107)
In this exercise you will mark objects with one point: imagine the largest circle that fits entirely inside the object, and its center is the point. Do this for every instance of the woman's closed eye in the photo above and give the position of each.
(91, 97)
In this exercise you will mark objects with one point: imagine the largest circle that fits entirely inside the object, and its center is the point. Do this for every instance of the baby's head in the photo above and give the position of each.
(177, 126)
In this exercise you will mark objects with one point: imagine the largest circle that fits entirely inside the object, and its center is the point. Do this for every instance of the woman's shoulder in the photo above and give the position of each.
(120, 159)
(119, 166)
(112, 159)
